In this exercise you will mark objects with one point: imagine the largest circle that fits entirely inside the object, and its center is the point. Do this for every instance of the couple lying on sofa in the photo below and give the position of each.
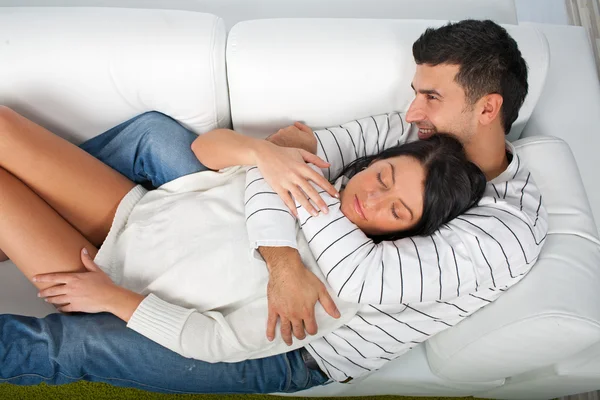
(414, 235)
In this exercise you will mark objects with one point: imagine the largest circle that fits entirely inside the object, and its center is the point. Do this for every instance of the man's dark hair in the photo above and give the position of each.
(489, 61)
(453, 184)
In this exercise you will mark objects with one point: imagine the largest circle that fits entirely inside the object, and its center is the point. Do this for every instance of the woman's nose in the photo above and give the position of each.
(376, 199)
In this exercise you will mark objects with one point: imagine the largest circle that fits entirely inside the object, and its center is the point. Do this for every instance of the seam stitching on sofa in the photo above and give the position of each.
(539, 316)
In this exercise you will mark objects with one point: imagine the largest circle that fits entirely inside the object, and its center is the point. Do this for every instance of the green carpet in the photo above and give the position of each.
(101, 391)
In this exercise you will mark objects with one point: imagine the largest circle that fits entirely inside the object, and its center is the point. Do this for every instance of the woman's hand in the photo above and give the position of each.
(91, 291)
(285, 170)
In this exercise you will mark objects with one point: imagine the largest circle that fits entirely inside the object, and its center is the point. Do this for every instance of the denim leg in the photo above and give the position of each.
(63, 348)
(150, 149)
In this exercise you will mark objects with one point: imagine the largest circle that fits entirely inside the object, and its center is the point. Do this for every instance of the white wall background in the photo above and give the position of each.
(543, 11)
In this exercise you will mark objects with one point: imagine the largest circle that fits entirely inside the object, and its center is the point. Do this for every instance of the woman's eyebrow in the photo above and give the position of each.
(412, 216)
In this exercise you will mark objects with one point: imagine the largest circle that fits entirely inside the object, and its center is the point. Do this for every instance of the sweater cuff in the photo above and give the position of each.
(160, 321)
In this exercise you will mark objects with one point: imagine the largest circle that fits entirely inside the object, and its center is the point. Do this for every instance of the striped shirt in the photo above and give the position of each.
(412, 288)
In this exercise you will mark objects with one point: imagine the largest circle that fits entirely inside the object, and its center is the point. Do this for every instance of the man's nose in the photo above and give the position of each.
(415, 112)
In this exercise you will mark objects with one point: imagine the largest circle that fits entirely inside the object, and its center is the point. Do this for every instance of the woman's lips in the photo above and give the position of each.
(358, 208)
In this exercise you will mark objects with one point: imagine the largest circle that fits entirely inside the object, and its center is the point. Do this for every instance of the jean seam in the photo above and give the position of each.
(102, 378)
(288, 364)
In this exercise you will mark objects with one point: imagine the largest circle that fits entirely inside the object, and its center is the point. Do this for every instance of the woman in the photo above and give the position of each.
(68, 202)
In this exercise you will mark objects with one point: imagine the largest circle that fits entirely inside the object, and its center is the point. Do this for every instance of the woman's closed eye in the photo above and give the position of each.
(394, 213)
(381, 180)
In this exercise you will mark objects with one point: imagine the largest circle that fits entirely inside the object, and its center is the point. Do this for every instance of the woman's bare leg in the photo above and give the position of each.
(34, 235)
(81, 189)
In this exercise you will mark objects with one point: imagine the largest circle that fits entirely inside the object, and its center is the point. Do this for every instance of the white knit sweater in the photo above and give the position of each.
(185, 246)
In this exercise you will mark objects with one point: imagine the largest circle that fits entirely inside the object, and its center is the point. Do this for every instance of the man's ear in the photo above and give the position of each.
(490, 108)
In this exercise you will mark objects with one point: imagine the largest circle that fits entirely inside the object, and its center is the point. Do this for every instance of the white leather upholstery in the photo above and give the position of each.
(568, 107)
(330, 71)
(79, 71)
(576, 374)
(548, 316)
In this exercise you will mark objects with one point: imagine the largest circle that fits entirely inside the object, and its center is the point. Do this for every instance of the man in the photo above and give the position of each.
(470, 81)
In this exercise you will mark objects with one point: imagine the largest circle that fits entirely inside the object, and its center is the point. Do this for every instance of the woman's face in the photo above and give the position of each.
(386, 197)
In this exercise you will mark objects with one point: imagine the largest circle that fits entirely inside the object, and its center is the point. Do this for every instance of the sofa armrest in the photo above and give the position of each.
(554, 312)
(569, 103)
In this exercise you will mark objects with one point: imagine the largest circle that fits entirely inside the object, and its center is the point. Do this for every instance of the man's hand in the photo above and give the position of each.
(297, 135)
(292, 294)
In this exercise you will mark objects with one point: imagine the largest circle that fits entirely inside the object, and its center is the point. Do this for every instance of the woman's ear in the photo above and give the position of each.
(490, 108)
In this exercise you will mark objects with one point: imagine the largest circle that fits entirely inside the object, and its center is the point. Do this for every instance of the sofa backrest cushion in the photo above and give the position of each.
(330, 71)
(553, 313)
(79, 71)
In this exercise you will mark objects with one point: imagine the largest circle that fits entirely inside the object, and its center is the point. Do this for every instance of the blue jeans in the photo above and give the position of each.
(61, 349)
(150, 149)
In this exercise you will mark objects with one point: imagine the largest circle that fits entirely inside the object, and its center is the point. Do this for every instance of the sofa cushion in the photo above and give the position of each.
(79, 71)
(553, 313)
(330, 71)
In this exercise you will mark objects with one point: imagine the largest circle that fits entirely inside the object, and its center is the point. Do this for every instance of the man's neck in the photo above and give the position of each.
(487, 150)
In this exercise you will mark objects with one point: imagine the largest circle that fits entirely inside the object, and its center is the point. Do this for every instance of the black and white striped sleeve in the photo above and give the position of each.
(491, 246)
(268, 220)
(342, 144)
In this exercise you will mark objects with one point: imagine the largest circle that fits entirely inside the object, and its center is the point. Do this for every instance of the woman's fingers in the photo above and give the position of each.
(53, 291)
(87, 261)
(288, 201)
(303, 200)
(312, 193)
(62, 299)
(57, 277)
(313, 159)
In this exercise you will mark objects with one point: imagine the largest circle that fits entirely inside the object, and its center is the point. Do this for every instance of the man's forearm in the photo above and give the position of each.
(278, 257)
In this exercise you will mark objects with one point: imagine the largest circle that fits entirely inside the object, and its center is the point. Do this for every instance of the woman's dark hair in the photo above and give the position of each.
(453, 184)
(488, 58)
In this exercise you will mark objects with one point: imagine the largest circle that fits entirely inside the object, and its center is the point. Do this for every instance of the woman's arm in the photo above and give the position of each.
(222, 148)
(285, 169)
(209, 336)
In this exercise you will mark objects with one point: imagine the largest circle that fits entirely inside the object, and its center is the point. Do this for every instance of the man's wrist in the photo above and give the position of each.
(279, 257)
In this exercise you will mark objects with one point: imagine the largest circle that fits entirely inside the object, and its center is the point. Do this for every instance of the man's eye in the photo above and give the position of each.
(381, 180)
(431, 97)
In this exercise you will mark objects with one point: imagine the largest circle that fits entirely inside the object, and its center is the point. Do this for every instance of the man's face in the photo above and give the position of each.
(440, 104)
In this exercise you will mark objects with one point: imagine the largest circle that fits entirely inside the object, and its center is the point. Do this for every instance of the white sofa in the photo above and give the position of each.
(79, 71)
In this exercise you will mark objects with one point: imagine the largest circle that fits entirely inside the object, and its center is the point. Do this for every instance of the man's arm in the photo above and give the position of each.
(292, 293)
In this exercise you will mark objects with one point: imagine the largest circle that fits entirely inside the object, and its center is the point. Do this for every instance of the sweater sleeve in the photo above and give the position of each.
(209, 336)
(213, 336)
(268, 220)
